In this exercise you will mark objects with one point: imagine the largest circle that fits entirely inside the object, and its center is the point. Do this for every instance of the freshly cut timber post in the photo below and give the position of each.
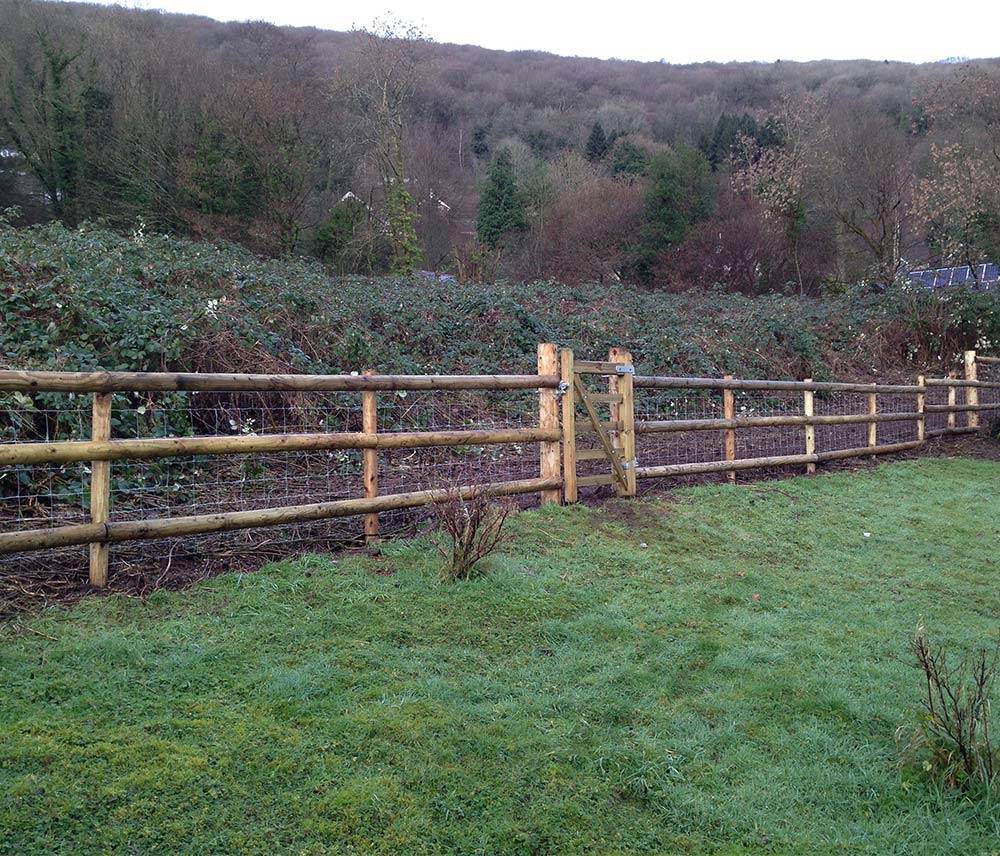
(548, 420)
(369, 424)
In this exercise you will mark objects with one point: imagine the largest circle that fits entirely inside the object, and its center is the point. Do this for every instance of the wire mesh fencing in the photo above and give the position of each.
(677, 426)
(48, 496)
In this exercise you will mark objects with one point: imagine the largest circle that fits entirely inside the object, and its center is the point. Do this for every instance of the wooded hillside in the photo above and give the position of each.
(758, 177)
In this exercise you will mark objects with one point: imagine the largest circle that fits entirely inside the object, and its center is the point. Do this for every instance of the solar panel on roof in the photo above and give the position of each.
(984, 276)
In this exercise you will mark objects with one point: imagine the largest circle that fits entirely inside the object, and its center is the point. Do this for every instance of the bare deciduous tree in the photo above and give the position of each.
(383, 70)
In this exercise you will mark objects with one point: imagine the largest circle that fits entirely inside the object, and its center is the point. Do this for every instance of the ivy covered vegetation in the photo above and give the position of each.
(89, 298)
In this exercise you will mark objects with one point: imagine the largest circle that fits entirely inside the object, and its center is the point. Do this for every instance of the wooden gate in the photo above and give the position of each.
(615, 435)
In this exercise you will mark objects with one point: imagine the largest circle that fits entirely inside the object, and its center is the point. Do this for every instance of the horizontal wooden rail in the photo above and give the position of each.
(594, 481)
(589, 427)
(941, 432)
(982, 359)
(170, 527)
(29, 381)
(722, 466)
(146, 448)
(656, 427)
(887, 449)
(654, 382)
(776, 461)
(958, 408)
(602, 398)
(593, 367)
(976, 384)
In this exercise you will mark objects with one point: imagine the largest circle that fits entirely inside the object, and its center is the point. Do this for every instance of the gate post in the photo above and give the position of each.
(369, 458)
(570, 491)
(808, 410)
(100, 489)
(548, 417)
(624, 440)
(729, 440)
(971, 393)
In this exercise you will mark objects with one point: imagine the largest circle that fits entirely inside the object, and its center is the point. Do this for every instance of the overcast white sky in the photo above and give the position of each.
(678, 32)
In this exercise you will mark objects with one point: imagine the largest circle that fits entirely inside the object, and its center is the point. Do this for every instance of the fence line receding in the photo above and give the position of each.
(590, 423)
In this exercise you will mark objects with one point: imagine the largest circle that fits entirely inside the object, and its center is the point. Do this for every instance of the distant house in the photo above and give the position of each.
(442, 206)
(980, 276)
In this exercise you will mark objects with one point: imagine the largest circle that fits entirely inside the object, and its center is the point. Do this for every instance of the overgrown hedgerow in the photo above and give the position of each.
(91, 298)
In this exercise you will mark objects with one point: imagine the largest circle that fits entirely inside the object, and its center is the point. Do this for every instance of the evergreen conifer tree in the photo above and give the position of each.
(501, 209)
(598, 143)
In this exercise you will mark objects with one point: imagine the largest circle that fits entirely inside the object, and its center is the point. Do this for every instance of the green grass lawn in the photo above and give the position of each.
(613, 686)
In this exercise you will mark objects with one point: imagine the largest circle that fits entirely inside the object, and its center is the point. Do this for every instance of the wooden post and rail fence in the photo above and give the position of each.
(568, 407)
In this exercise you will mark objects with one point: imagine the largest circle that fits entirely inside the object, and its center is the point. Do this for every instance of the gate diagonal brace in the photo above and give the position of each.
(602, 435)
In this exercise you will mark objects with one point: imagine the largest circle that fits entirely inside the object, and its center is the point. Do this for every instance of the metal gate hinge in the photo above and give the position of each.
(625, 370)
(630, 465)
(562, 389)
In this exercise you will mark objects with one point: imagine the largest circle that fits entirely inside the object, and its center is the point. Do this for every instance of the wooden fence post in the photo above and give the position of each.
(625, 413)
(951, 403)
(100, 489)
(570, 491)
(615, 414)
(548, 417)
(921, 403)
(369, 425)
(808, 409)
(873, 426)
(729, 412)
(971, 393)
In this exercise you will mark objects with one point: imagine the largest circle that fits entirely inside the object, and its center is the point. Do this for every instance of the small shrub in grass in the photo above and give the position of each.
(473, 523)
(951, 740)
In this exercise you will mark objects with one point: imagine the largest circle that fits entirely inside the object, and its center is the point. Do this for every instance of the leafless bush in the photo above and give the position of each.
(473, 521)
(588, 231)
(952, 737)
(476, 262)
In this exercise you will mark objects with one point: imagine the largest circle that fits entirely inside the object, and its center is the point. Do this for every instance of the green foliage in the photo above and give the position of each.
(681, 194)
(542, 142)
(48, 122)
(224, 177)
(720, 147)
(334, 239)
(480, 142)
(501, 209)
(612, 687)
(401, 224)
(80, 299)
(628, 161)
(598, 144)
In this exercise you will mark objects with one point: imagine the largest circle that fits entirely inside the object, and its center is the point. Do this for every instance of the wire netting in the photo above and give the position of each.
(51, 495)
(43, 496)
(990, 418)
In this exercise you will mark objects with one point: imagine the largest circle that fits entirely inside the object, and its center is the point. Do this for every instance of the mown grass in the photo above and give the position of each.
(613, 686)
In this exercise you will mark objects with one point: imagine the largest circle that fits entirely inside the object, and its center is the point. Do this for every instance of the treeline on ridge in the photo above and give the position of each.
(380, 151)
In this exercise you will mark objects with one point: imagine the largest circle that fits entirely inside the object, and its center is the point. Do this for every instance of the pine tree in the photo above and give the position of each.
(501, 209)
(597, 144)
